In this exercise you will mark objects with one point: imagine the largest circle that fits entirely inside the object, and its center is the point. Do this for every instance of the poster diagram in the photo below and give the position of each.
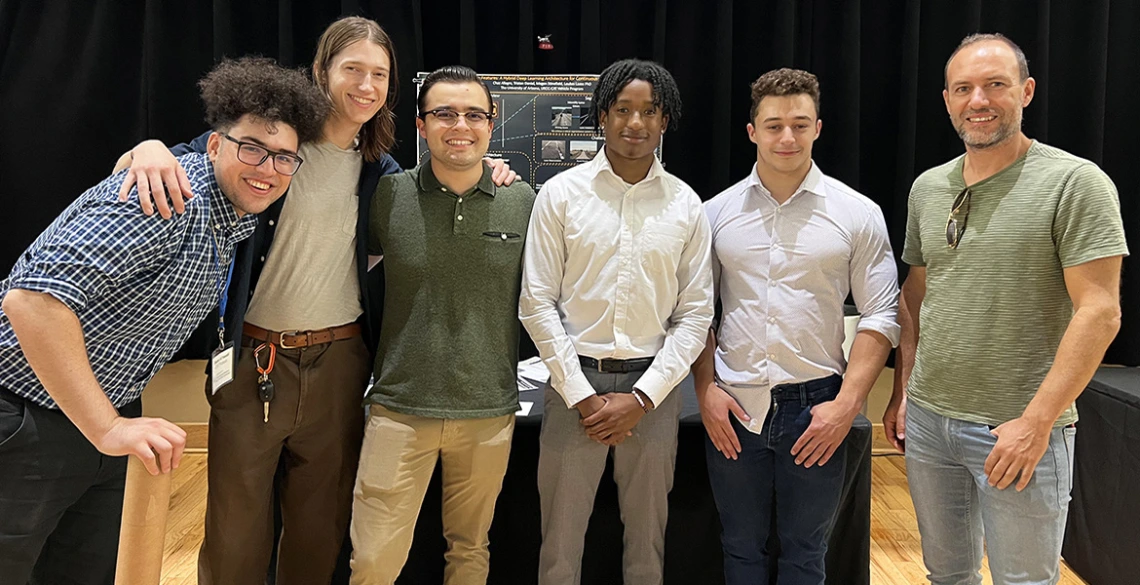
(543, 125)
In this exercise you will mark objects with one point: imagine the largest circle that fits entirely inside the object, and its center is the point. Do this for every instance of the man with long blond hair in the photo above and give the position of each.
(308, 293)
(301, 291)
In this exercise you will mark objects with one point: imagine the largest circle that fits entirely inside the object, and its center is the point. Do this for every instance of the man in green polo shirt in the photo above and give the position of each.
(445, 384)
(1015, 251)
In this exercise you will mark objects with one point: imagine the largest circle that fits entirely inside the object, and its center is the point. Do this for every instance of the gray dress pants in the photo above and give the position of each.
(570, 466)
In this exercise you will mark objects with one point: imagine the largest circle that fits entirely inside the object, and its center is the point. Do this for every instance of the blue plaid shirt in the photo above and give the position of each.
(139, 285)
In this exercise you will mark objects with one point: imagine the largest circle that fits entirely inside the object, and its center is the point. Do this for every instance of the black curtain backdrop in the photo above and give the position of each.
(83, 80)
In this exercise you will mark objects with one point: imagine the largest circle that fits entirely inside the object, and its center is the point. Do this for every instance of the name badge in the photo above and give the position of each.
(221, 367)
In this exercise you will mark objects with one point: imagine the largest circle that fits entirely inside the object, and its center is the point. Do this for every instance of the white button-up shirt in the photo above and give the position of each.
(617, 271)
(782, 274)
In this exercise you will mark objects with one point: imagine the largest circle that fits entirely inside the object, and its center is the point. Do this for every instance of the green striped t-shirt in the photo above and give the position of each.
(996, 307)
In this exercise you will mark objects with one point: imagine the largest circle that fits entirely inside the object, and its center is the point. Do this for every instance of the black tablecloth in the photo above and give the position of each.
(1102, 539)
(692, 540)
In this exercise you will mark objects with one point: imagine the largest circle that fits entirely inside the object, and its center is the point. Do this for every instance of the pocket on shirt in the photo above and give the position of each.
(502, 251)
(502, 237)
(348, 226)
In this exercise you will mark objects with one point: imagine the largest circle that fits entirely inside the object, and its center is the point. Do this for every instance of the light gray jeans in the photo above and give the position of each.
(570, 466)
(945, 466)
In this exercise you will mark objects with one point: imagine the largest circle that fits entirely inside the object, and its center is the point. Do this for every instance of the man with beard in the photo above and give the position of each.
(1015, 251)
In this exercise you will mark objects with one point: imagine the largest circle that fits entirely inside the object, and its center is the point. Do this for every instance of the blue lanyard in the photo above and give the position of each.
(224, 287)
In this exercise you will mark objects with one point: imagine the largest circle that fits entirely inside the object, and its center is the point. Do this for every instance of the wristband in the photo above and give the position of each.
(637, 396)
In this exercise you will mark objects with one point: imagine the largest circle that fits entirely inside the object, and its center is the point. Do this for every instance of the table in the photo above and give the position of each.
(1102, 537)
(692, 539)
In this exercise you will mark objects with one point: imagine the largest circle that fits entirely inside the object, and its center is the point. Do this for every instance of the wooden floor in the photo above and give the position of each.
(896, 558)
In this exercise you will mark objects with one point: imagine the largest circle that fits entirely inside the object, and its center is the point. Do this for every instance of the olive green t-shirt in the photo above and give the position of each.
(996, 307)
(452, 269)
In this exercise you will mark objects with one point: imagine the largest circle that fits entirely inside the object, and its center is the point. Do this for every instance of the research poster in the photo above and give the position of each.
(542, 124)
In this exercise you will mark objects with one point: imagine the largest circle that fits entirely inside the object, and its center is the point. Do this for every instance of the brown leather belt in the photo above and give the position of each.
(295, 339)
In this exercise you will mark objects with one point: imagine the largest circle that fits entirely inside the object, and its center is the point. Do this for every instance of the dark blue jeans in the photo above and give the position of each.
(764, 488)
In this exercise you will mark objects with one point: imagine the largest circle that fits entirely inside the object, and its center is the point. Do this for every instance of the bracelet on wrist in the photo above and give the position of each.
(640, 401)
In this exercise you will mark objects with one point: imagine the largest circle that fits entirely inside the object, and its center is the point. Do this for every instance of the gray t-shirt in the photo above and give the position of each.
(310, 280)
(996, 307)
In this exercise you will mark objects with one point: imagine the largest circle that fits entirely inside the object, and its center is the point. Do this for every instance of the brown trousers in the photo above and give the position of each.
(315, 429)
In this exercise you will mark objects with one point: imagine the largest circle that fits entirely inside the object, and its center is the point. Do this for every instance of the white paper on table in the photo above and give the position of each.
(532, 374)
(524, 408)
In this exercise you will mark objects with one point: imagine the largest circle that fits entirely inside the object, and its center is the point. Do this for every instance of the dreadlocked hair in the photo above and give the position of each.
(614, 78)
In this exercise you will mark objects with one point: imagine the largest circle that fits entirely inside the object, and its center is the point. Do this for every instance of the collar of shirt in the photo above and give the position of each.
(813, 183)
(428, 182)
(600, 165)
(223, 217)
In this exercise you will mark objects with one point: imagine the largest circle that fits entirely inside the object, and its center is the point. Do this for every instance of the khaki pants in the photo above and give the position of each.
(396, 464)
(315, 427)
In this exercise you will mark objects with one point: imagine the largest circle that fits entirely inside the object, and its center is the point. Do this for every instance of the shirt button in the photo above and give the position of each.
(461, 200)
(271, 222)
(218, 226)
(444, 189)
(771, 319)
(460, 217)
(504, 236)
(772, 283)
(263, 258)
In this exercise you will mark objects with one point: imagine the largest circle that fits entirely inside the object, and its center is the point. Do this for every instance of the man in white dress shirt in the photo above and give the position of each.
(777, 397)
(617, 296)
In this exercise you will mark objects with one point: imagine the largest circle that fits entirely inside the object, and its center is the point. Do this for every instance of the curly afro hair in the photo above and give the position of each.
(261, 88)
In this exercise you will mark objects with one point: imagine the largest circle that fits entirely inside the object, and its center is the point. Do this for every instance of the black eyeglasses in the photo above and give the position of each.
(450, 118)
(254, 155)
(956, 222)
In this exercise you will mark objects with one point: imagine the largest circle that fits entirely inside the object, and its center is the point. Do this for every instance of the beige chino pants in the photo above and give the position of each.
(396, 463)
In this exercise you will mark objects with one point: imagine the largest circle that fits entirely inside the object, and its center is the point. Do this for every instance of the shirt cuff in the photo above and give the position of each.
(654, 386)
(74, 297)
(576, 388)
(889, 328)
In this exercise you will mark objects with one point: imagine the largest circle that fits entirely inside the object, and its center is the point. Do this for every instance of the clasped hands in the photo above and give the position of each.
(609, 419)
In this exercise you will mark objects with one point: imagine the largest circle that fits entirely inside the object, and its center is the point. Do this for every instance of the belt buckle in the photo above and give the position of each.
(294, 333)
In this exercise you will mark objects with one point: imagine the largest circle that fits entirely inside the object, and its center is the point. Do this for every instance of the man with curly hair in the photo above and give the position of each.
(617, 296)
(777, 396)
(97, 305)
